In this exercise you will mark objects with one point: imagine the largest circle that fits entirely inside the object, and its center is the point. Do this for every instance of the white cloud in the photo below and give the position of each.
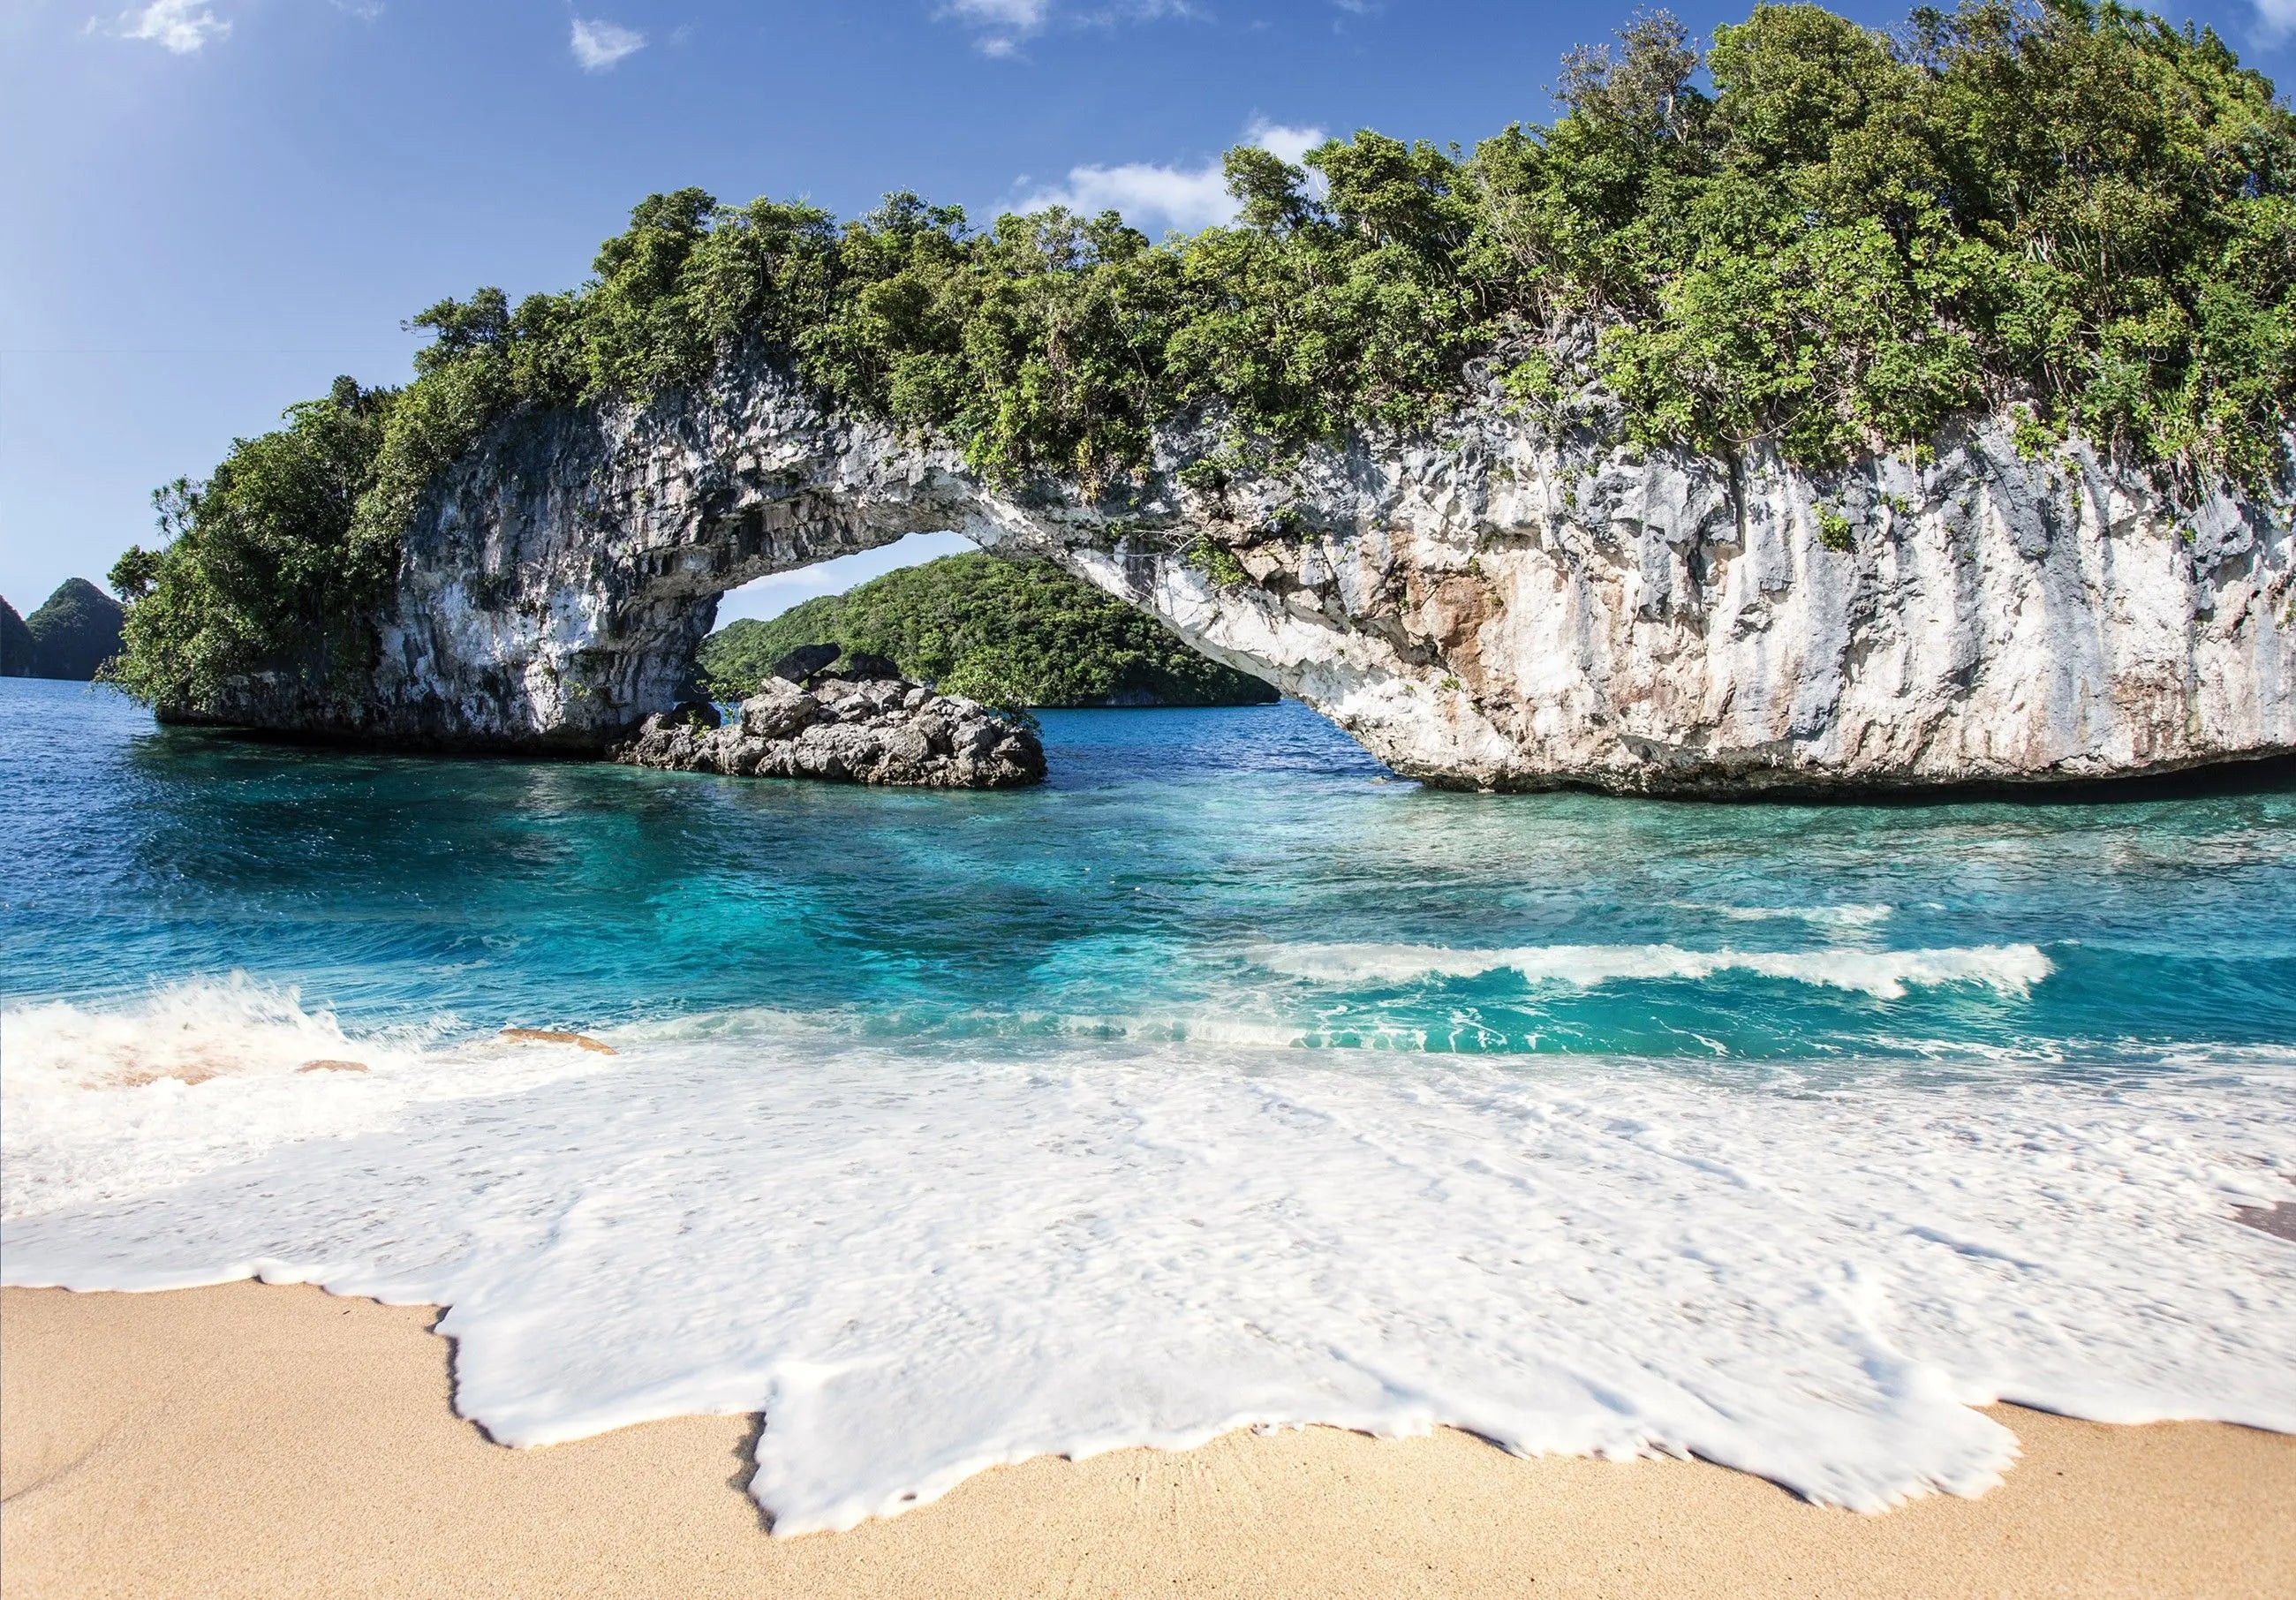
(1142, 191)
(599, 45)
(1001, 26)
(2278, 17)
(1021, 15)
(1003, 23)
(180, 26)
(1153, 196)
(1290, 142)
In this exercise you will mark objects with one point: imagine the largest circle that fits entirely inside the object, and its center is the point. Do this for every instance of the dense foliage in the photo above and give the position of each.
(16, 643)
(1005, 633)
(269, 563)
(1841, 243)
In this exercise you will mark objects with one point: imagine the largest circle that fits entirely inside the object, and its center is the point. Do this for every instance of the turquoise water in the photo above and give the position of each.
(1224, 1080)
(1140, 889)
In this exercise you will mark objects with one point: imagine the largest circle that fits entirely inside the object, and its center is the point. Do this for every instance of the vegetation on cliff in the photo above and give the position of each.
(1841, 241)
(1004, 632)
(269, 561)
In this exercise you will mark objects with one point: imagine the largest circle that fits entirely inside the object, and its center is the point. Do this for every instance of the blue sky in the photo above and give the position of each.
(215, 206)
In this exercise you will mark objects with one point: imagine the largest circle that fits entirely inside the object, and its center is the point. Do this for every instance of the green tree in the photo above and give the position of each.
(267, 563)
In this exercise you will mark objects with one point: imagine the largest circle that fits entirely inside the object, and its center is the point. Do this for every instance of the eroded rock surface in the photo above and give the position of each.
(1506, 605)
(876, 730)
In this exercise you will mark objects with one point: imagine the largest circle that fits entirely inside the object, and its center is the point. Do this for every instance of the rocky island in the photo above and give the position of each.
(72, 635)
(15, 643)
(1832, 431)
(863, 725)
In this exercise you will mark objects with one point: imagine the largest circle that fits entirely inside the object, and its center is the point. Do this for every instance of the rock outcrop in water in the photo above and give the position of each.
(1502, 607)
(872, 729)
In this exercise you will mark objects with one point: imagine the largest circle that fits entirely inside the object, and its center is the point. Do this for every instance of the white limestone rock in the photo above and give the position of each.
(1501, 607)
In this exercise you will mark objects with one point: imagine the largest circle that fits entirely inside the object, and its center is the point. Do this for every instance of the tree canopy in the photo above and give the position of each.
(1021, 634)
(1809, 236)
(274, 560)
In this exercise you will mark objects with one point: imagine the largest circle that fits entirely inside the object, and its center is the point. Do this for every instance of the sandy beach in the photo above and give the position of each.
(259, 1441)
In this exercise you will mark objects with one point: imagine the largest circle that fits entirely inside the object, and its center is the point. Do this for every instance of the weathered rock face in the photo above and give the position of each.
(876, 730)
(1504, 607)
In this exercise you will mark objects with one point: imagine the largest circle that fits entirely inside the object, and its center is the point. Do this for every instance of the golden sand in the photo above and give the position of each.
(255, 1440)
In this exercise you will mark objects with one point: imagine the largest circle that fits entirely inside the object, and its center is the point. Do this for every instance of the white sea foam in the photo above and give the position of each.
(189, 1032)
(1885, 974)
(917, 1264)
(100, 1103)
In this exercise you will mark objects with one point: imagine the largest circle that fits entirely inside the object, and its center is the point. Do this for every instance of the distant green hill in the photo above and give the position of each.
(16, 643)
(1008, 633)
(75, 632)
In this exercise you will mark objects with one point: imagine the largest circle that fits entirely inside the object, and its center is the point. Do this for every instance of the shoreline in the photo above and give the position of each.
(250, 1439)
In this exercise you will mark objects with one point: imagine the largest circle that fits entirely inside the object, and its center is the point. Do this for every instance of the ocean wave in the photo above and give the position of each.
(187, 1033)
(1884, 974)
(106, 1102)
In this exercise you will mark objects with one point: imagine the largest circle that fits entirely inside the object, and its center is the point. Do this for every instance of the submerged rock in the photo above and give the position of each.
(553, 1036)
(871, 730)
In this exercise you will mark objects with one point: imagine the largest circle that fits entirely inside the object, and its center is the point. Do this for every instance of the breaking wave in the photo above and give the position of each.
(1884, 974)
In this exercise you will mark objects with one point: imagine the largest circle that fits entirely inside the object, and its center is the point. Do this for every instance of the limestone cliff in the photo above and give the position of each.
(1500, 607)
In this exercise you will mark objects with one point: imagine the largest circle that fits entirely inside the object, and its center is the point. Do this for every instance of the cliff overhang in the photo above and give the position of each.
(1498, 605)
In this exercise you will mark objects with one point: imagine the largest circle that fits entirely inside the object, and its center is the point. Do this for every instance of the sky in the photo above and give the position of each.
(213, 207)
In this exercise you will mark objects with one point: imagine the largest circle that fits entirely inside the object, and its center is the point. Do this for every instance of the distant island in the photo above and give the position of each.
(16, 643)
(1003, 632)
(73, 635)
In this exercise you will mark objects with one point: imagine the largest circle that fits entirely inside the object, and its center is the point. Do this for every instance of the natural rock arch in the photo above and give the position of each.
(1500, 609)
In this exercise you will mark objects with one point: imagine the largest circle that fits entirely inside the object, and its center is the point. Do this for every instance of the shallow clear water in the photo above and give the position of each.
(1223, 1078)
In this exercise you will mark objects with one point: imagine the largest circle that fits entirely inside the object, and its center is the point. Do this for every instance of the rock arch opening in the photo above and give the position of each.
(761, 599)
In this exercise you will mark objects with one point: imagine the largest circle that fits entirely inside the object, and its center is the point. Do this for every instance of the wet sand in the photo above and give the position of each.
(258, 1440)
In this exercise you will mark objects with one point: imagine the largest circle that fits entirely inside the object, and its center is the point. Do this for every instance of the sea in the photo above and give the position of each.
(1225, 1080)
